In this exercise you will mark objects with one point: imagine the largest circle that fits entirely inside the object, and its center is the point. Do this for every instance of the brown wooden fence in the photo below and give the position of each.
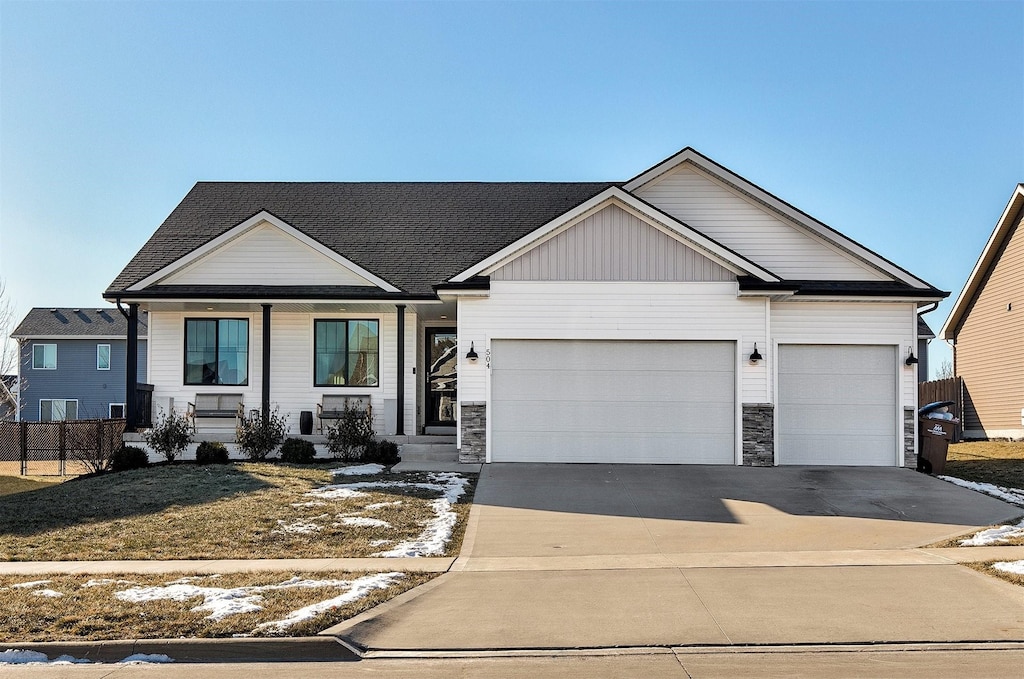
(57, 448)
(949, 389)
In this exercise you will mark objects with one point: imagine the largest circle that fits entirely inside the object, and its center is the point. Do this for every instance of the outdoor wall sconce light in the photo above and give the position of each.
(911, 359)
(471, 355)
(755, 357)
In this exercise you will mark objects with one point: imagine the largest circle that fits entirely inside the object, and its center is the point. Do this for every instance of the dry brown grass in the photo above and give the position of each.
(997, 462)
(184, 511)
(9, 485)
(93, 612)
(988, 569)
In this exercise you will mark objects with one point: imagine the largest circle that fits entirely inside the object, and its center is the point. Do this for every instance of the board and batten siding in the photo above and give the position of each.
(265, 255)
(722, 213)
(612, 245)
(611, 311)
(291, 376)
(992, 330)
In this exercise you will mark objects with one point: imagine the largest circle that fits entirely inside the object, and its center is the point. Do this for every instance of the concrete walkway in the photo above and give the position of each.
(593, 556)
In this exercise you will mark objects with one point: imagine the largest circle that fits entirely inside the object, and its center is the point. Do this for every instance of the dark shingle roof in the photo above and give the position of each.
(844, 288)
(67, 322)
(923, 331)
(412, 234)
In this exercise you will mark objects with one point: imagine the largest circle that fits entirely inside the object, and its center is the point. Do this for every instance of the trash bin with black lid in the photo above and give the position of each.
(306, 422)
(933, 444)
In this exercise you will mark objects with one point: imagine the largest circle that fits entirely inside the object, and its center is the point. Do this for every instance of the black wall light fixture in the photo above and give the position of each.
(911, 359)
(755, 357)
(471, 355)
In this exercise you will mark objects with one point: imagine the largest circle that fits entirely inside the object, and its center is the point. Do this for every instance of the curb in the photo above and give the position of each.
(298, 649)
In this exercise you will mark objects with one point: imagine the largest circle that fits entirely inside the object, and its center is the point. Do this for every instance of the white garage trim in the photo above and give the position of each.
(886, 368)
(626, 401)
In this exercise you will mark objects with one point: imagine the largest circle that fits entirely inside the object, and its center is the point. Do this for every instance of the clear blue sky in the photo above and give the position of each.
(899, 123)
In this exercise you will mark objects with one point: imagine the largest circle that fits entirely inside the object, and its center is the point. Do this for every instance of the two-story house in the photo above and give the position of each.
(72, 363)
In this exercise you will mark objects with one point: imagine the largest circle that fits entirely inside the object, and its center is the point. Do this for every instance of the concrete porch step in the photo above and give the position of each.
(432, 452)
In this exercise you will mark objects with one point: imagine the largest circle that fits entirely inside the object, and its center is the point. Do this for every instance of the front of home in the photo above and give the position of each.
(684, 316)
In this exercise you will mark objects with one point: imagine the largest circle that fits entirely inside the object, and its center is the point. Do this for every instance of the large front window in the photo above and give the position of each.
(217, 351)
(346, 353)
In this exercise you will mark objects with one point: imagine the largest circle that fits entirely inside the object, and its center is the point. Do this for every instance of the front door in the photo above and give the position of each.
(442, 380)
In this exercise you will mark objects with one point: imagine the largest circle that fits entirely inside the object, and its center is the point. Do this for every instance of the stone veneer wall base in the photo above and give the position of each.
(758, 434)
(474, 432)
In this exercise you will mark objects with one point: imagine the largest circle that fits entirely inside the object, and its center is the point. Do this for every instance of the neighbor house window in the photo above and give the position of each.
(54, 409)
(44, 356)
(346, 353)
(117, 411)
(217, 351)
(103, 357)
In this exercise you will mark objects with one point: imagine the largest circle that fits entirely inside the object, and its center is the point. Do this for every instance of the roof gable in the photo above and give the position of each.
(1007, 227)
(854, 261)
(612, 245)
(263, 250)
(632, 205)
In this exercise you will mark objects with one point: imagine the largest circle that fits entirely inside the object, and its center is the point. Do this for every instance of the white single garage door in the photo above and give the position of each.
(613, 401)
(837, 405)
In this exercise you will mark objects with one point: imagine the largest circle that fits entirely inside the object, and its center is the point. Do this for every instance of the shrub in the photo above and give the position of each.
(170, 435)
(297, 451)
(382, 452)
(350, 434)
(128, 457)
(212, 452)
(257, 436)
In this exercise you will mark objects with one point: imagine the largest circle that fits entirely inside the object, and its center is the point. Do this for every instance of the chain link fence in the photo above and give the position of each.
(58, 448)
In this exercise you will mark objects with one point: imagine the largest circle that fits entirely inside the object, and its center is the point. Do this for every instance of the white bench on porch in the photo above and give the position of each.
(223, 406)
(332, 406)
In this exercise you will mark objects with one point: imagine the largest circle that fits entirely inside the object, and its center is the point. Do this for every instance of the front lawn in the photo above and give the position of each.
(997, 462)
(9, 485)
(176, 605)
(237, 511)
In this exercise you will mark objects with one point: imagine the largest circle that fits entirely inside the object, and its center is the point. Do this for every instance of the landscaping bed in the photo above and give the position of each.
(179, 605)
(238, 511)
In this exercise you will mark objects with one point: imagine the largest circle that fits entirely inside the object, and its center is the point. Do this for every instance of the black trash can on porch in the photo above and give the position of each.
(306, 422)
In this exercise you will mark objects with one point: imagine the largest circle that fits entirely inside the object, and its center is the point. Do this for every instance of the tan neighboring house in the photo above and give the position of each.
(986, 327)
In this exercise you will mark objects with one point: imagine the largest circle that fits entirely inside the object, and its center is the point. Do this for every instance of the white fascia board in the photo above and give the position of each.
(984, 263)
(819, 229)
(616, 196)
(481, 292)
(229, 300)
(862, 299)
(240, 229)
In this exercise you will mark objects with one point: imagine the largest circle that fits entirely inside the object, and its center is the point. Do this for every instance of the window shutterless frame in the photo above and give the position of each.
(44, 356)
(103, 357)
(213, 372)
(63, 408)
(346, 352)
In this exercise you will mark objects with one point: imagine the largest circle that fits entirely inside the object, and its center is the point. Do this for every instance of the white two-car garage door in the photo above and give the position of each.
(613, 401)
(837, 405)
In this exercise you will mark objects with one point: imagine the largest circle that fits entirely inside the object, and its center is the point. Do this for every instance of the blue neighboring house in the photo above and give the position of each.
(72, 363)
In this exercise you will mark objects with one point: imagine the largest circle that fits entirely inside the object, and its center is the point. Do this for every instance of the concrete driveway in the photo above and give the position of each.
(598, 556)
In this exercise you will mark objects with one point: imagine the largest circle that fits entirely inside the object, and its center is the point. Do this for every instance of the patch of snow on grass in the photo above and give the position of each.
(359, 588)
(1011, 495)
(308, 505)
(381, 505)
(378, 543)
(219, 601)
(30, 585)
(360, 470)
(993, 536)
(437, 531)
(336, 492)
(144, 658)
(106, 581)
(299, 526)
(1010, 567)
(364, 521)
(51, 593)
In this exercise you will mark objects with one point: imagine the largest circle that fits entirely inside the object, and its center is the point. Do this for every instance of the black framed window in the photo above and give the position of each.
(217, 351)
(346, 353)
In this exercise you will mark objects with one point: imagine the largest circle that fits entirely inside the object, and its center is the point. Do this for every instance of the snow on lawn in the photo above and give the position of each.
(360, 588)
(1010, 567)
(436, 532)
(1011, 495)
(144, 658)
(30, 585)
(221, 602)
(994, 536)
(359, 470)
(39, 590)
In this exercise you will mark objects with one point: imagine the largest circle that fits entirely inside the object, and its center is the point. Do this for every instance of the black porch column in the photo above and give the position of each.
(266, 361)
(400, 391)
(131, 371)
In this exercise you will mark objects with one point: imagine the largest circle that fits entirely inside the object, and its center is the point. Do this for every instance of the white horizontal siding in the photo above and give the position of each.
(723, 214)
(265, 255)
(291, 376)
(882, 323)
(610, 311)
